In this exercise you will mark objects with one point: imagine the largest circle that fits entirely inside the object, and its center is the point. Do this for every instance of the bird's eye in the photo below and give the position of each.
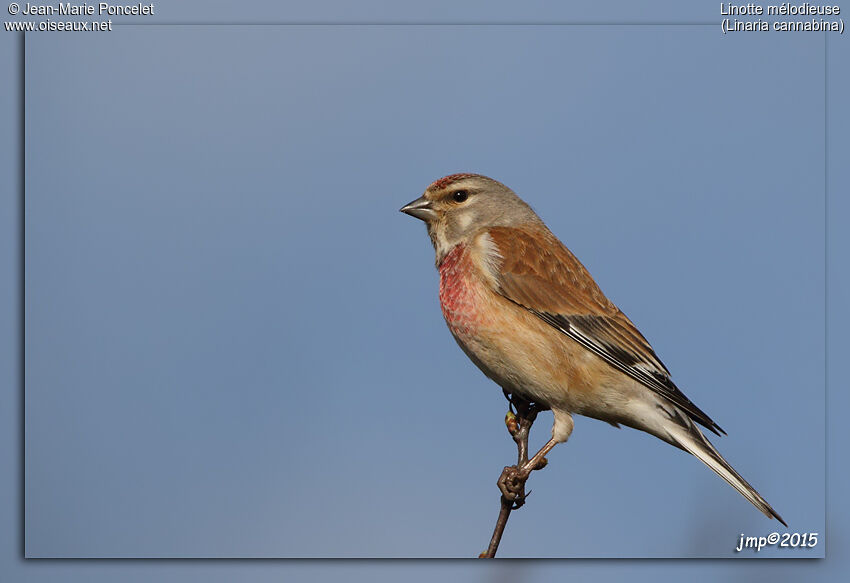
(460, 195)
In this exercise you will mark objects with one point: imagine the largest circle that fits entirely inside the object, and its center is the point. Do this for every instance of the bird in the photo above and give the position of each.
(530, 316)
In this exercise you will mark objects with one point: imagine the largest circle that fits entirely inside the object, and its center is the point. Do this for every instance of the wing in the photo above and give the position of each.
(537, 272)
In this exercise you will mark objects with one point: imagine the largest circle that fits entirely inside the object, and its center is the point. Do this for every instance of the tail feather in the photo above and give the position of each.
(688, 436)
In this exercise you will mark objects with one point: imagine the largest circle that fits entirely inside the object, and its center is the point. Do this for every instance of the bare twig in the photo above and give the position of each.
(501, 522)
(511, 483)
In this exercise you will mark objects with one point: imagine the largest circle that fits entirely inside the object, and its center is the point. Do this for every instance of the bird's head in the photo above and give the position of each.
(456, 207)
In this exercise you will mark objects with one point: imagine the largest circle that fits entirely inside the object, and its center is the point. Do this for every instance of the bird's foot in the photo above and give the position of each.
(512, 481)
(512, 485)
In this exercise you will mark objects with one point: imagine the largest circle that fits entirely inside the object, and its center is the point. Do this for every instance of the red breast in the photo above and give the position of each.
(458, 292)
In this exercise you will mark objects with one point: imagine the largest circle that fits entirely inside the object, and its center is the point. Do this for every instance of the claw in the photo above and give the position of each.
(520, 500)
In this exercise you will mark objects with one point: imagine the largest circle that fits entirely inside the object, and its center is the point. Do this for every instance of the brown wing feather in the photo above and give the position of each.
(540, 274)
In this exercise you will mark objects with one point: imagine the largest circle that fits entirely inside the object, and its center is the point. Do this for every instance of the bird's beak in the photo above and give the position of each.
(420, 208)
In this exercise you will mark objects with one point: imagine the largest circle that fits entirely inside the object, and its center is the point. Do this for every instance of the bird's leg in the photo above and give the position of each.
(512, 481)
(538, 462)
(513, 478)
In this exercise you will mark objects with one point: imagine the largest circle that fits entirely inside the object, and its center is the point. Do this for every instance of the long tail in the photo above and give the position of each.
(687, 435)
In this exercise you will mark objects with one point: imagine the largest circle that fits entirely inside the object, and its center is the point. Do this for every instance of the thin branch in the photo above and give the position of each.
(519, 426)
(501, 522)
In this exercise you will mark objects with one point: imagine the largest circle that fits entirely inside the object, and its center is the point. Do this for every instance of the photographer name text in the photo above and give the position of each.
(99, 9)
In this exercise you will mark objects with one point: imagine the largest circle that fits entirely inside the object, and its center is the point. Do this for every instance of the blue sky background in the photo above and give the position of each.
(227, 318)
